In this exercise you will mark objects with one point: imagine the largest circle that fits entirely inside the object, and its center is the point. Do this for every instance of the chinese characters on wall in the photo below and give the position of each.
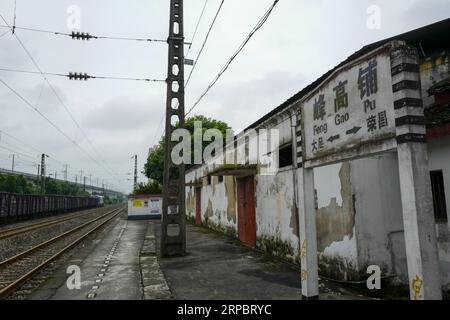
(355, 106)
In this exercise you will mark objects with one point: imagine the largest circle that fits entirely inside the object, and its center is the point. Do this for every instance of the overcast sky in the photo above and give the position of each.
(301, 41)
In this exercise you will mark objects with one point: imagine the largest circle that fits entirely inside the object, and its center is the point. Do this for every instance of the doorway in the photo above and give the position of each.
(246, 211)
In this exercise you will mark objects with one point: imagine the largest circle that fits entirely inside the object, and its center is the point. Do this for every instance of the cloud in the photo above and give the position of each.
(122, 114)
(243, 103)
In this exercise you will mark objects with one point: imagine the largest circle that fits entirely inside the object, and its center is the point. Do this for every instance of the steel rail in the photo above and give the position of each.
(11, 232)
(7, 290)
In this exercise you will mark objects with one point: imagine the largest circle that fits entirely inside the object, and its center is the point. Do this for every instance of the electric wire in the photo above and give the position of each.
(261, 22)
(197, 58)
(61, 101)
(89, 76)
(196, 28)
(90, 36)
(48, 120)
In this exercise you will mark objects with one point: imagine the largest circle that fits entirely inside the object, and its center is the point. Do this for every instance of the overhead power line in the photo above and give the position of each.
(49, 121)
(204, 43)
(4, 34)
(198, 55)
(196, 27)
(87, 36)
(60, 100)
(21, 152)
(81, 76)
(84, 36)
(261, 22)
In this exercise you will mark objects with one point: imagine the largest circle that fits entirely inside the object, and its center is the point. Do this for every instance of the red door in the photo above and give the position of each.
(198, 206)
(246, 211)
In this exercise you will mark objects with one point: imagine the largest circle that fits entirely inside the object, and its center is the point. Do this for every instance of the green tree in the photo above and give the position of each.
(154, 167)
(55, 187)
(148, 188)
(16, 184)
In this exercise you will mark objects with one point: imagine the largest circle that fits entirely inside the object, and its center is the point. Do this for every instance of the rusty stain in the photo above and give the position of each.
(230, 190)
(214, 182)
(294, 221)
(335, 222)
(304, 275)
(303, 250)
(190, 203)
(417, 285)
(209, 210)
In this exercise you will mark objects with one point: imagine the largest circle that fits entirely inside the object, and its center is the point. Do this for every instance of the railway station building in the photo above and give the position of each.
(359, 214)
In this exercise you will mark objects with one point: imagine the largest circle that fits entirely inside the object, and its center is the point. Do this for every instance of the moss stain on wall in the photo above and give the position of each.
(190, 203)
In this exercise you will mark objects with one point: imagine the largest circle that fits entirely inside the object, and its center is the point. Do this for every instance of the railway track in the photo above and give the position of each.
(11, 232)
(16, 270)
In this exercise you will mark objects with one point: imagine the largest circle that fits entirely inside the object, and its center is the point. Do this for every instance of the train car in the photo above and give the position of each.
(23, 206)
(100, 201)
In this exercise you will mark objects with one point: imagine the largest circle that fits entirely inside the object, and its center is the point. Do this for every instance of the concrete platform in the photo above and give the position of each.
(122, 263)
(217, 267)
(109, 267)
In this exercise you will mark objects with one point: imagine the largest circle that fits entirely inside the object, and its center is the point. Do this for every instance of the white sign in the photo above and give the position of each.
(353, 107)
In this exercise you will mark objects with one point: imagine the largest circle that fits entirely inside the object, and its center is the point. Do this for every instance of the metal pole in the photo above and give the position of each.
(12, 166)
(135, 171)
(173, 243)
(43, 174)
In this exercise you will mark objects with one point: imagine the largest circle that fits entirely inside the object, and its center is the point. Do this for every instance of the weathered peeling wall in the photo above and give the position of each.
(379, 219)
(191, 177)
(433, 69)
(218, 202)
(336, 241)
(276, 215)
(439, 152)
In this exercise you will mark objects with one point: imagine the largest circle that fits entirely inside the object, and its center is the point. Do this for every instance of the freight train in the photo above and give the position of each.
(15, 207)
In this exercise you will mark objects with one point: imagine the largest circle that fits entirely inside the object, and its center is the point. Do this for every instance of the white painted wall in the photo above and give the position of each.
(275, 206)
(379, 221)
(144, 206)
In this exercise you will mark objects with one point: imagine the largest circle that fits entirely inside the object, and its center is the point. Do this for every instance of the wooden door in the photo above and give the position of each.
(246, 211)
(198, 206)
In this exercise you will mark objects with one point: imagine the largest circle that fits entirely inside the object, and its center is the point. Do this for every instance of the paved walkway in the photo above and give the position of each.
(217, 267)
(109, 267)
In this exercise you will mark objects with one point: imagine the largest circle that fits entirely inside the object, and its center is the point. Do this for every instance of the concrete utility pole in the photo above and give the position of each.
(12, 165)
(417, 200)
(135, 171)
(173, 235)
(84, 183)
(43, 173)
